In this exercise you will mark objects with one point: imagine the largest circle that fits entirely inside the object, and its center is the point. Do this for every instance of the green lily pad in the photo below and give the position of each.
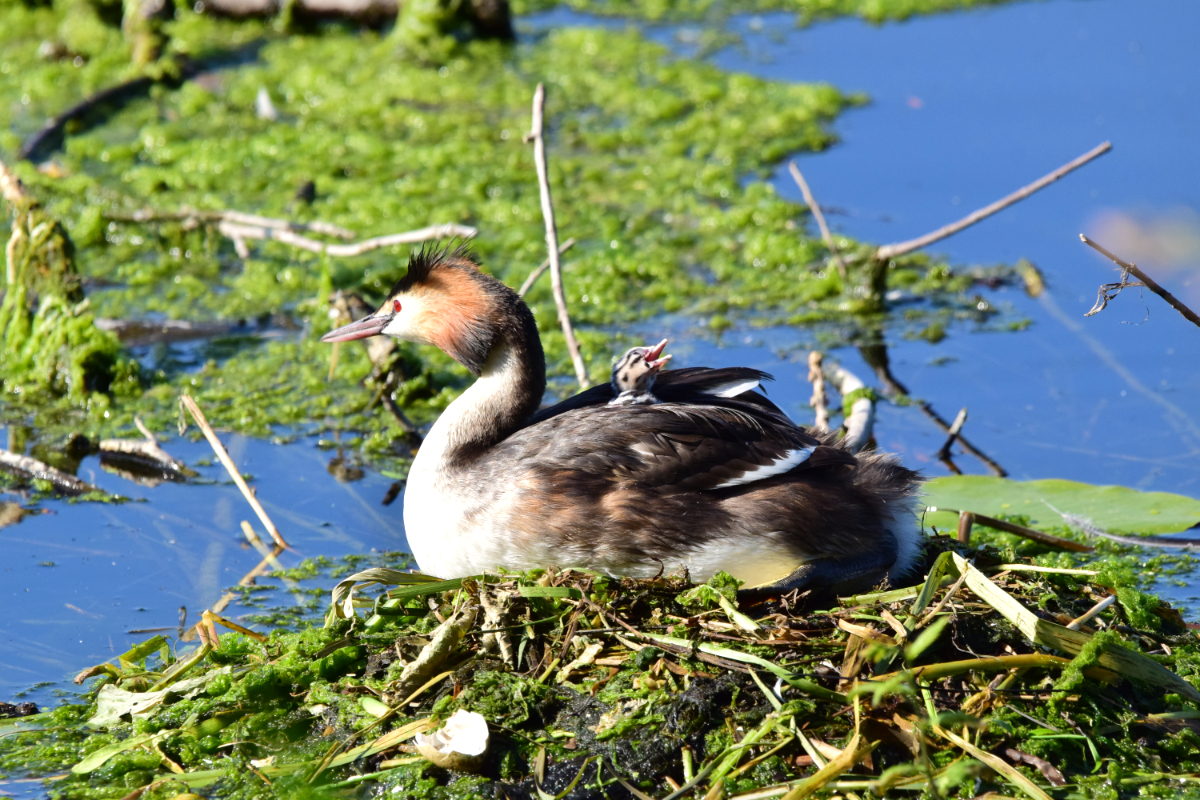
(1113, 508)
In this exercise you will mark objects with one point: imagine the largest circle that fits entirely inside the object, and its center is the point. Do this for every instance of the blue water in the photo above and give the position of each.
(965, 108)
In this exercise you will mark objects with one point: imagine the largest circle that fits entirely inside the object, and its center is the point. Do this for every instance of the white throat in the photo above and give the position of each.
(439, 509)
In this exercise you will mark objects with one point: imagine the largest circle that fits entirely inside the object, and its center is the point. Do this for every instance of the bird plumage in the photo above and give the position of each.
(712, 476)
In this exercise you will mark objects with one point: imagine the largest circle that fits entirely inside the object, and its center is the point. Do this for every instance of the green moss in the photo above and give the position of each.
(298, 696)
(657, 164)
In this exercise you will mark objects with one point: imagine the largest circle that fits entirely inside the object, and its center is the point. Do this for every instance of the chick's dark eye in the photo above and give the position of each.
(396, 306)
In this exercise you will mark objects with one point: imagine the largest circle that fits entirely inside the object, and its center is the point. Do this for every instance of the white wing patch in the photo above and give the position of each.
(645, 452)
(790, 460)
(733, 388)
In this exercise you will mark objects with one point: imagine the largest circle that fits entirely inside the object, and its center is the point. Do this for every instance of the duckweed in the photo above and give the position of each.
(657, 163)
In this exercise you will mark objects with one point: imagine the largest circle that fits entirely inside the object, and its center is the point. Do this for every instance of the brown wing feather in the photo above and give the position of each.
(670, 447)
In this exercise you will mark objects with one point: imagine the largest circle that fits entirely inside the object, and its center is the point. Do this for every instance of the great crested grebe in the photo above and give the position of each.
(634, 373)
(711, 477)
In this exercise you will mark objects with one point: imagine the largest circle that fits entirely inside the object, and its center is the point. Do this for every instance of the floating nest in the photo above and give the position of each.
(987, 677)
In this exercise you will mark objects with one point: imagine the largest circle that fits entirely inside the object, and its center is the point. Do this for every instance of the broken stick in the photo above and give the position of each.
(541, 269)
(959, 421)
(32, 469)
(1127, 269)
(560, 300)
(816, 211)
(240, 232)
(223, 455)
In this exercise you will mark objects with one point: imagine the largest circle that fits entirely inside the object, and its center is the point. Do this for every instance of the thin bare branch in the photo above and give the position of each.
(223, 455)
(819, 401)
(876, 357)
(560, 300)
(900, 248)
(541, 269)
(236, 231)
(191, 217)
(816, 211)
(1146, 280)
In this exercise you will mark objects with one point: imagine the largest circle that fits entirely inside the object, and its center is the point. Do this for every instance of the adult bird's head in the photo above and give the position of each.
(444, 300)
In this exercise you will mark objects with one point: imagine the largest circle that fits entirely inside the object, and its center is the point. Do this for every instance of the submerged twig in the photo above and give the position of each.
(223, 455)
(819, 401)
(143, 452)
(1127, 269)
(816, 211)
(876, 357)
(52, 132)
(900, 248)
(541, 268)
(32, 469)
(959, 421)
(560, 300)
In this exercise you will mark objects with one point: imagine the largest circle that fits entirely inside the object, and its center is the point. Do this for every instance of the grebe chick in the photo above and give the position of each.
(634, 373)
(712, 477)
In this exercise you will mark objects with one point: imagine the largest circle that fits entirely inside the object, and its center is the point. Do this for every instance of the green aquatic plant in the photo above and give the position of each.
(48, 342)
(958, 684)
(657, 166)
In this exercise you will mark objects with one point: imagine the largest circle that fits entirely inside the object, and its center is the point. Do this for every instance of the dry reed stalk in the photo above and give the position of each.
(223, 455)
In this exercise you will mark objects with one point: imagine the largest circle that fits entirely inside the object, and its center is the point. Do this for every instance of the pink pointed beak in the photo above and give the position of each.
(367, 326)
(652, 355)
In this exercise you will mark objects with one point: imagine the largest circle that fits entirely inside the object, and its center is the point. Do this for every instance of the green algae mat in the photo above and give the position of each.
(658, 166)
(977, 679)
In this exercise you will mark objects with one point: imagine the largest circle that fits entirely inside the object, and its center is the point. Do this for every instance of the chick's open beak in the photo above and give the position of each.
(367, 326)
(652, 355)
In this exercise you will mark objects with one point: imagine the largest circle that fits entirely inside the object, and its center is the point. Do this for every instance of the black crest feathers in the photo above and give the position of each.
(430, 257)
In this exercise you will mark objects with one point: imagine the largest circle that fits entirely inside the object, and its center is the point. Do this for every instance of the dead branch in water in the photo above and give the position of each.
(31, 469)
(560, 300)
(239, 232)
(143, 453)
(238, 226)
(955, 428)
(819, 401)
(876, 356)
(1127, 269)
(816, 211)
(51, 134)
(541, 269)
(193, 217)
(223, 455)
(900, 248)
(859, 421)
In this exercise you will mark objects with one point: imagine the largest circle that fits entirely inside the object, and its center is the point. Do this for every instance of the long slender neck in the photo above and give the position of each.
(508, 391)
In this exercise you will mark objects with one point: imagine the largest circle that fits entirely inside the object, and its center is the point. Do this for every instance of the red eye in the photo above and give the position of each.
(396, 306)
